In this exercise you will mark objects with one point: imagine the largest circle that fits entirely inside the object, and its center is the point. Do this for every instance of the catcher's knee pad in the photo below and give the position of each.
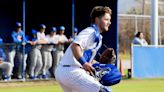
(105, 89)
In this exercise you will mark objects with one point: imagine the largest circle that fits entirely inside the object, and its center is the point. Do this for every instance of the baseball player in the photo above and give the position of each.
(62, 39)
(74, 34)
(36, 62)
(18, 37)
(72, 71)
(46, 52)
(4, 65)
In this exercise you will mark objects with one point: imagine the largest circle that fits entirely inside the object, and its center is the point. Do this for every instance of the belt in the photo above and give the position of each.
(66, 65)
(70, 66)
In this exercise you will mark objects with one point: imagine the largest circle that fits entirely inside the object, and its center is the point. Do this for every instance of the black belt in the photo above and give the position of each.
(66, 65)
(70, 66)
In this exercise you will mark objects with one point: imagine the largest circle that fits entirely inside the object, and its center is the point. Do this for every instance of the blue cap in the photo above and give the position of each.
(33, 31)
(1, 40)
(42, 26)
(62, 28)
(53, 29)
(18, 24)
(75, 30)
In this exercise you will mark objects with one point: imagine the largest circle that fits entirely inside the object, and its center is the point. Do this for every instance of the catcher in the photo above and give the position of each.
(105, 70)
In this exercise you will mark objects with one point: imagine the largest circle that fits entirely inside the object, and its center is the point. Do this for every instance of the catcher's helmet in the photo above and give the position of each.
(108, 74)
(112, 77)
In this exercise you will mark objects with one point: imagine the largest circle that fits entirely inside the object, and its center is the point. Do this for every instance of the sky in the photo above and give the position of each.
(125, 5)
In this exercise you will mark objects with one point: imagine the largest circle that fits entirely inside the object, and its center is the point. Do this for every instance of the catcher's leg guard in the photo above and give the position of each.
(105, 89)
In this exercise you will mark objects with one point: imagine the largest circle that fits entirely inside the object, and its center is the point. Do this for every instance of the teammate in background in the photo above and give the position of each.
(4, 65)
(36, 62)
(139, 39)
(46, 52)
(74, 35)
(75, 32)
(18, 37)
(54, 53)
(62, 40)
(71, 73)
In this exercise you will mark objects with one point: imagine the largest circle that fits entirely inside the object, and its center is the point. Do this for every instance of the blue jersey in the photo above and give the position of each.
(89, 54)
(2, 54)
(18, 38)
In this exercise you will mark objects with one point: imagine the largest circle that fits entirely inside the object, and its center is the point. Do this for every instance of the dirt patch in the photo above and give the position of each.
(27, 83)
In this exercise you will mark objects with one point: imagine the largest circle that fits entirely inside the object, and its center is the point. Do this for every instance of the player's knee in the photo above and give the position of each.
(7, 65)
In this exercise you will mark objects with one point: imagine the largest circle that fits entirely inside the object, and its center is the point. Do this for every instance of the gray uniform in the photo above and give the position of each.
(59, 52)
(35, 61)
(5, 66)
(46, 56)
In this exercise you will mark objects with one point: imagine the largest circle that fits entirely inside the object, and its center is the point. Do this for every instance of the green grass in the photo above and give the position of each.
(146, 85)
(48, 88)
(130, 85)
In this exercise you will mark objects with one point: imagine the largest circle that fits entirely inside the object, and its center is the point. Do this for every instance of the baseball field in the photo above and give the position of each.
(126, 85)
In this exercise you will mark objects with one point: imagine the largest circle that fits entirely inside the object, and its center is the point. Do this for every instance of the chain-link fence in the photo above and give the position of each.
(128, 25)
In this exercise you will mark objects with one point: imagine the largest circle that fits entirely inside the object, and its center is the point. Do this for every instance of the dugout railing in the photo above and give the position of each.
(6, 47)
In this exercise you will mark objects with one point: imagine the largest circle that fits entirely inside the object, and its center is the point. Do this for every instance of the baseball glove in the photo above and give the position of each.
(106, 71)
(108, 56)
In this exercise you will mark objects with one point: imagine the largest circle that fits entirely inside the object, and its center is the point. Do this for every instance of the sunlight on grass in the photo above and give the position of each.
(148, 85)
(126, 85)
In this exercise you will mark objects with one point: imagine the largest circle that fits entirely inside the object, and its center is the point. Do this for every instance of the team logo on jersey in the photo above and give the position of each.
(19, 38)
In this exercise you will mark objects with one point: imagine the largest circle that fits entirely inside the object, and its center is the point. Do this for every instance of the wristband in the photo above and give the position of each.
(82, 60)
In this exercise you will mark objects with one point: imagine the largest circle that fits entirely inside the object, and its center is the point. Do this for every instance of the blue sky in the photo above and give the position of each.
(125, 5)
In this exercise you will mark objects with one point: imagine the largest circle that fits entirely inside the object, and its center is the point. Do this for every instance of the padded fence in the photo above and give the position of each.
(147, 61)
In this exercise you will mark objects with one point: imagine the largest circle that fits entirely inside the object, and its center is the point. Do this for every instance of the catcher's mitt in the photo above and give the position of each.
(108, 56)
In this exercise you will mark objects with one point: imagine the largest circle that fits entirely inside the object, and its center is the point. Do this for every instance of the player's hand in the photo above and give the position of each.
(33, 43)
(88, 67)
(23, 43)
(1, 60)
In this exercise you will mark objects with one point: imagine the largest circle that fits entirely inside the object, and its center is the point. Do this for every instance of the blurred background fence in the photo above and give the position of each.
(129, 24)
